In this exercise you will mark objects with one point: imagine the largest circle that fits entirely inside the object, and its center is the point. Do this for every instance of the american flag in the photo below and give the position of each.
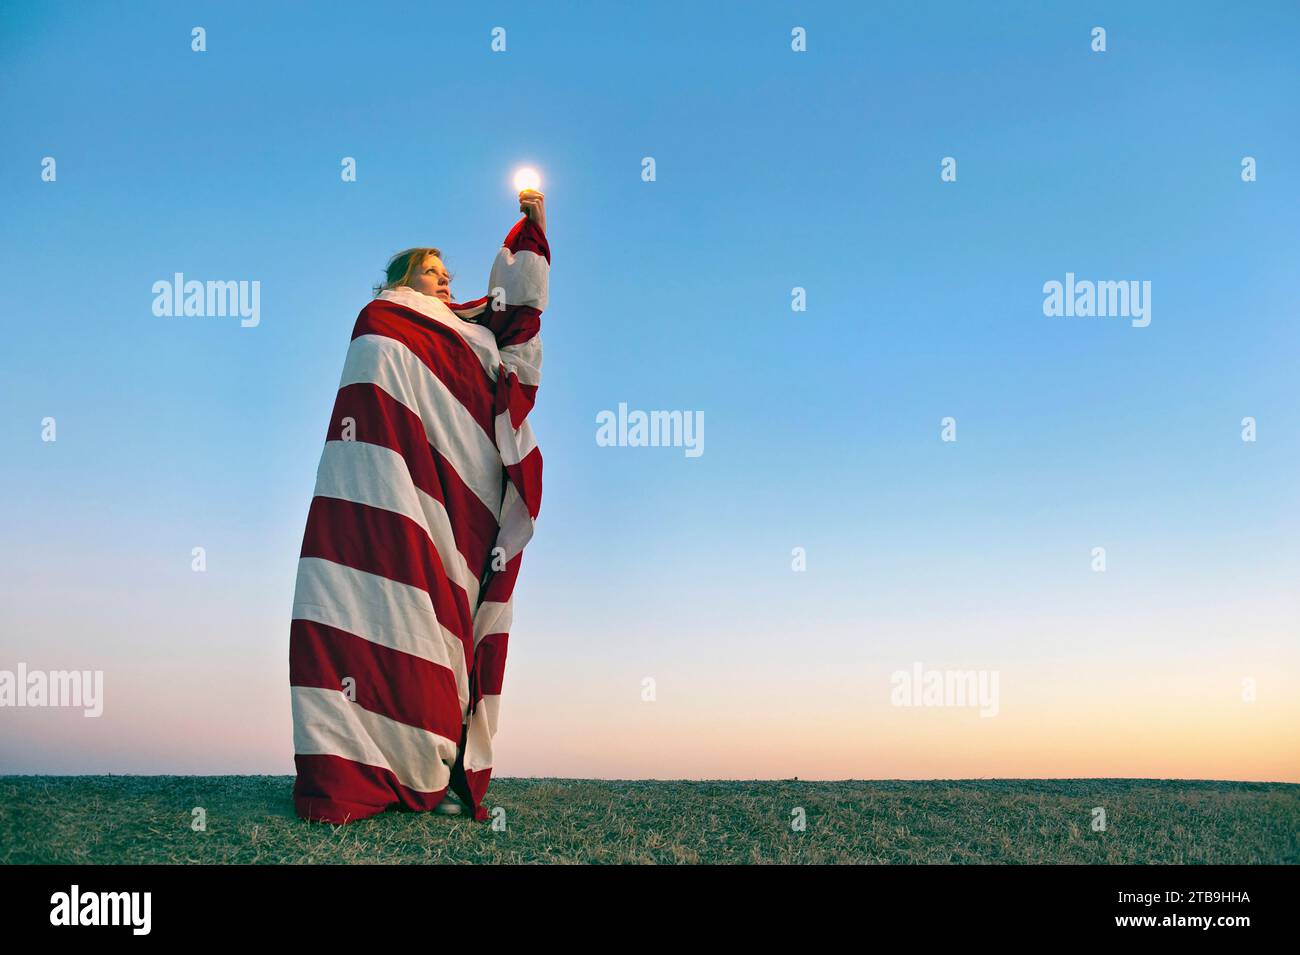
(427, 491)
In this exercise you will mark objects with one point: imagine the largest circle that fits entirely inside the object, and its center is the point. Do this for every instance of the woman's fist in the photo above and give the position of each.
(533, 204)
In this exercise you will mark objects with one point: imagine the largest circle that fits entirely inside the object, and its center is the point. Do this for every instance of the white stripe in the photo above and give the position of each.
(525, 360)
(378, 477)
(383, 611)
(493, 616)
(478, 337)
(472, 311)
(451, 429)
(522, 277)
(514, 445)
(516, 524)
(326, 723)
(482, 727)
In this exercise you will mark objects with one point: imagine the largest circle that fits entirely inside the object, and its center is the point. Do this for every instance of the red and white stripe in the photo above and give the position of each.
(427, 492)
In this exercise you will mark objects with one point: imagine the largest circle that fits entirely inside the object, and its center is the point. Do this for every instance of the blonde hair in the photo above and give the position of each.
(403, 265)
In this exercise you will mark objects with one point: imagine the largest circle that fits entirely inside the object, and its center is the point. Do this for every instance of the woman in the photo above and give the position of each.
(427, 491)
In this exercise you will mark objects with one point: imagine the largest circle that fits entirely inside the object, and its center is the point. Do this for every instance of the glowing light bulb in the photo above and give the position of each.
(527, 178)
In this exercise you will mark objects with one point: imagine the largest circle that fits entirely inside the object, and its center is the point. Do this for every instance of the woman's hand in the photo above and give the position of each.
(533, 204)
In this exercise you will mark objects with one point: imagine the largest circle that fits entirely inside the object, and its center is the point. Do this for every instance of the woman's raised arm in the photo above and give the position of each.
(517, 292)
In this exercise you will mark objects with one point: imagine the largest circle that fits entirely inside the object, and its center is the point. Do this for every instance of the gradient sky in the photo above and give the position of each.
(775, 169)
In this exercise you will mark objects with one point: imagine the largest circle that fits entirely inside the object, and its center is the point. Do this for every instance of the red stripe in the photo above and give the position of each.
(478, 783)
(470, 306)
(379, 418)
(513, 325)
(441, 350)
(398, 685)
(389, 545)
(527, 236)
(383, 420)
(490, 659)
(502, 583)
(522, 398)
(526, 476)
(472, 524)
(338, 790)
(514, 396)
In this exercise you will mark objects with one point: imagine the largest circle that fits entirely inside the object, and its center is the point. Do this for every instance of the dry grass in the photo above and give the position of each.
(250, 819)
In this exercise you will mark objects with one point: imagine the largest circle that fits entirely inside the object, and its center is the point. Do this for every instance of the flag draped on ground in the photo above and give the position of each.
(427, 491)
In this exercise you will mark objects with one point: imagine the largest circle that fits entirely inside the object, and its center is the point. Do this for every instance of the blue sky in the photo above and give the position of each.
(775, 169)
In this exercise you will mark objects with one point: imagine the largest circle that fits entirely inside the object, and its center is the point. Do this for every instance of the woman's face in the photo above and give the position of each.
(432, 278)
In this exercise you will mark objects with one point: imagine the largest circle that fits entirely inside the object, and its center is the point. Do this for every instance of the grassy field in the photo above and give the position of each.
(250, 819)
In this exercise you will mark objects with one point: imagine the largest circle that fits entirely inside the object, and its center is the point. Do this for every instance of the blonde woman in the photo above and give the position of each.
(427, 491)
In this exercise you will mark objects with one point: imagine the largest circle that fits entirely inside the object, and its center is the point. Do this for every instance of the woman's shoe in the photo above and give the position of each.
(450, 805)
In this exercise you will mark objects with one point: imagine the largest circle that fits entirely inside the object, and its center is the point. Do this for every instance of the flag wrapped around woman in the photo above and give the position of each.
(427, 491)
